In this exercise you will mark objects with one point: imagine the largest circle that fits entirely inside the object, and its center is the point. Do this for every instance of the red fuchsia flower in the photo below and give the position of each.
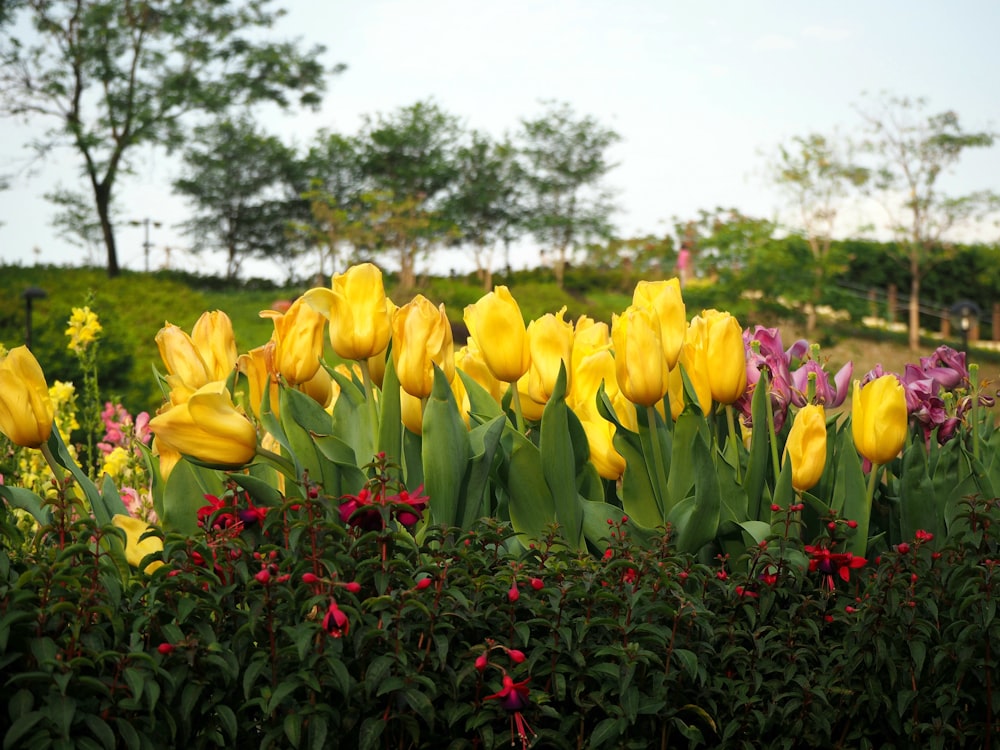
(353, 586)
(516, 655)
(481, 661)
(424, 583)
(513, 697)
(537, 584)
(513, 593)
(923, 536)
(361, 510)
(165, 648)
(218, 508)
(335, 622)
(830, 564)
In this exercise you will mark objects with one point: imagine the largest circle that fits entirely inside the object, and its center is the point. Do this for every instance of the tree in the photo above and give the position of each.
(114, 75)
(724, 241)
(816, 174)
(75, 221)
(487, 203)
(914, 150)
(408, 159)
(334, 195)
(244, 188)
(565, 164)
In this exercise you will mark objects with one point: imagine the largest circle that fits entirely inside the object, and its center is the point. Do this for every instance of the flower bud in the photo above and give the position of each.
(298, 341)
(496, 323)
(640, 365)
(806, 446)
(879, 418)
(421, 338)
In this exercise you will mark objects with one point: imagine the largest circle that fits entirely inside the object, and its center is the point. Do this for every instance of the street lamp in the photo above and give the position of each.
(964, 313)
(30, 295)
(146, 245)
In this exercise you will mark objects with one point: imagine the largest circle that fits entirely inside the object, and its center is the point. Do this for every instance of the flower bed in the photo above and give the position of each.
(567, 535)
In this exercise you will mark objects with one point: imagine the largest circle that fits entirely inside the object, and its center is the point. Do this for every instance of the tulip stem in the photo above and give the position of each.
(56, 467)
(281, 462)
(772, 435)
(731, 422)
(518, 414)
(370, 402)
(865, 521)
(660, 486)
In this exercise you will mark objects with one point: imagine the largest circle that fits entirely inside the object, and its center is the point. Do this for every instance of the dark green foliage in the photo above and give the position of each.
(229, 644)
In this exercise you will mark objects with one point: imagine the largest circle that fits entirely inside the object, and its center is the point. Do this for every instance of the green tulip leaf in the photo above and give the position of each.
(695, 518)
(352, 419)
(103, 508)
(919, 507)
(390, 427)
(759, 461)
(784, 496)
(184, 494)
(482, 406)
(27, 500)
(446, 452)
(690, 430)
(560, 459)
(262, 491)
(530, 504)
(484, 441)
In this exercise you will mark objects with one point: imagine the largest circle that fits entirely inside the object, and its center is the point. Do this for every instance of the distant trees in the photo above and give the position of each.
(913, 150)
(112, 75)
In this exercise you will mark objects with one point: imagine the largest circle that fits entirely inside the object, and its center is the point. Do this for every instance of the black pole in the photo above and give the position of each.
(30, 294)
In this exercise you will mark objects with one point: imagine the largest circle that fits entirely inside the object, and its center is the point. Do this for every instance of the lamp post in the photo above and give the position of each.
(146, 245)
(964, 313)
(30, 295)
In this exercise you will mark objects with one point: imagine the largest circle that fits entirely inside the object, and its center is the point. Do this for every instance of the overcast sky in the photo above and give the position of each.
(700, 93)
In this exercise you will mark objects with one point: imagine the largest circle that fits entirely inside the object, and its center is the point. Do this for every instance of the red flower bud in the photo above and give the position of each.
(537, 583)
(513, 594)
(852, 524)
(424, 583)
(516, 656)
(354, 587)
(310, 578)
(832, 526)
(902, 548)
(263, 576)
(165, 648)
(481, 662)
(775, 507)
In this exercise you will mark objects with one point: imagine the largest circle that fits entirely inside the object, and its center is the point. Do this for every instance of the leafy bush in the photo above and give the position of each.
(301, 631)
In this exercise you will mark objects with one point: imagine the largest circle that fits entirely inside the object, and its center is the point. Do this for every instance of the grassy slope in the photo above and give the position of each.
(134, 306)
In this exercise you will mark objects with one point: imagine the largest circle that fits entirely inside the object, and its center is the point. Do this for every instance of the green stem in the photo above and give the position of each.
(731, 422)
(865, 522)
(772, 436)
(518, 414)
(282, 463)
(660, 485)
(973, 378)
(57, 469)
(370, 402)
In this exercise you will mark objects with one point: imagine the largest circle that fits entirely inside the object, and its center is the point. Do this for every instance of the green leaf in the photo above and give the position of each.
(484, 441)
(184, 493)
(696, 517)
(559, 464)
(352, 419)
(390, 424)
(446, 452)
(27, 500)
(531, 506)
(690, 428)
(759, 461)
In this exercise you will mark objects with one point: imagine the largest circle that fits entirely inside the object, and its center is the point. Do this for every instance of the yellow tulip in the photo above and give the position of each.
(421, 338)
(806, 446)
(496, 323)
(168, 457)
(665, 298)
(319, 387)
(208, 427)
(726, 373)
(298, 341)
(590, 372)
(696, 363)
(550, 343)
(137, 548)
(589, 336)
(530, 409)
(879, 418)
(214, 338)
(181, 357)
(469, 359)
(411, 412)
(256, 365)
(600, 437)
(26, 410)
(358, 311)
(640, 365)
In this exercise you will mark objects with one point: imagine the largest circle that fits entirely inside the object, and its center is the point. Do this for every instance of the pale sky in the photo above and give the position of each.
(699, 92)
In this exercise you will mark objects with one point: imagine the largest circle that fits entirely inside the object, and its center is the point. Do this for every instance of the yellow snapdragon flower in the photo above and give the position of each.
(83, 329)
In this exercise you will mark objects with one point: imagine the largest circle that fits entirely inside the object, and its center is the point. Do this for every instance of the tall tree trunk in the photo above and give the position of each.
(914, 306)
(102, 201)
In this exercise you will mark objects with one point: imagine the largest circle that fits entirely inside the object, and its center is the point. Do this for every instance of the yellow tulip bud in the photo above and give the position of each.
(208, 427)
(469, 359)
(421, 338)
(600, 437)
(726, 373)
(879, 418)
(665, 298)
(411, 412)
(358, 311)
(806, 446)
(530, 409)
(256, 366)
(694, 359)
(26, 410)
(214, 339)
(298, 341)
(496, 323)
(137, 548)
(550, 343)
(640, 365)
